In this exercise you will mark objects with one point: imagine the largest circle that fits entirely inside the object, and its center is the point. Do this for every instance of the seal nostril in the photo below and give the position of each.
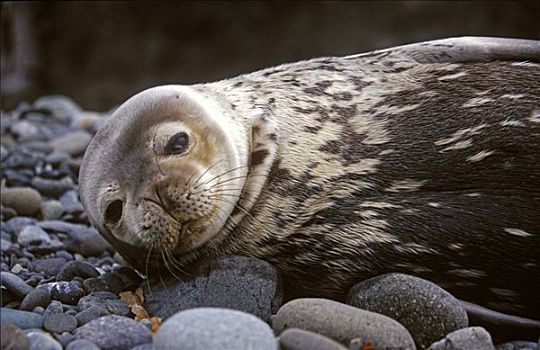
(113, 212)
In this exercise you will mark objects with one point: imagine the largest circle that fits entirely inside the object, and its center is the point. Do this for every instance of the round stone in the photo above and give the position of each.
(60, 323)
(24, 200)
(213, 329)
(37, 297)
(341, 322)
(114, 332)
(82, 344)
(91, 314)
(21, 319)
(51, 210)
(299, 339)
(67, 292)
(42, 341)
(464, 339)
(425, 309)
(33, 234)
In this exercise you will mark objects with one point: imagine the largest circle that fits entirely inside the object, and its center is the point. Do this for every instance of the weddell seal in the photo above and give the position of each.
(422, 159)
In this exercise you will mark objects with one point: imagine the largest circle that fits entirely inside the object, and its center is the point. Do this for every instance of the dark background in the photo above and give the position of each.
(100, 53)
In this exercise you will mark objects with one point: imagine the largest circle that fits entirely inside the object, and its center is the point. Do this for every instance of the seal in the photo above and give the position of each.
(422, 159)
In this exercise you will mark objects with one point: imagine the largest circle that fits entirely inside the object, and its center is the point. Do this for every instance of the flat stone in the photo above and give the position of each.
(234, 282)
(91, 313)
(342, 323)
(299, 339)
(52, 188)
(425, 309)
(42, 341)
(213, 329)
(519, 345)
(32, 235)
(62, 108)
(25, 201)
(74, 143)
(49, 266)
(465, 339)
(114, 332)
(21, 319)
(60, 323)
(12, 338)
(15, 225)
(75, 268)
(37, 297)
(15, 284)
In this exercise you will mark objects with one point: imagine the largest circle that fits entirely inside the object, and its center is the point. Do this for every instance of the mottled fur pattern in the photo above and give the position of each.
(391, 162)
(390, 165)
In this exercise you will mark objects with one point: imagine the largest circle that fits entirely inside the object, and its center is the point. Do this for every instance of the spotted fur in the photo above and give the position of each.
(423, 159)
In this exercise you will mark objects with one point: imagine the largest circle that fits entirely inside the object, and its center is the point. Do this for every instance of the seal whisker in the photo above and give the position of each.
(200, 176)
(222, 174)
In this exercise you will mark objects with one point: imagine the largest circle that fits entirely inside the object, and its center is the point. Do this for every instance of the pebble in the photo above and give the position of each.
(33, 234)
(25, 131)
(82, 344)
(49, 266)
(64, 338)
(299, 339)
(72, 269)
(54, 307)
(96, 285)
(21, 319)
(25, 201)
(52, 188)
(114, 332)
(15, 284)
(61, 108)
(51, 210)
(41, 341)
(235, 282)
(465, 339)
(67, 292)
(147, 346)
(519, 345)
(91, 313)
(60, 323)
(15, 225)
(73, 143)
(12, 338)
(342, 323)
(114, 281)
(213, 329)
(37, 297)
(425, 309)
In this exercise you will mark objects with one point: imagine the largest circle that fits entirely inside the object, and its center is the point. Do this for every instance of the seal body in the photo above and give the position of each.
(422, 159)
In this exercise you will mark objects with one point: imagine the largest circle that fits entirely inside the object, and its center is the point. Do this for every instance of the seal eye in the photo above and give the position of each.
(113, 212)
(177, 144)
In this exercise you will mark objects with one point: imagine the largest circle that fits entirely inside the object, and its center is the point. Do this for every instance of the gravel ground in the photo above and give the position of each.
(64, 286)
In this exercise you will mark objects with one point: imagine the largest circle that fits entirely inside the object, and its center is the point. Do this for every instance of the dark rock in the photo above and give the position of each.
(60, 323)
(118, 307)
(39, 310)
(425, 309)
(96, 298)
(130, 278)
(7, 213)
(299, 339)
(64, 254)
(91, 313)
(15, 284)
(33, 235)
(12, 338)
(96, 284)
(114, 332)
(464, 339)
(37, 297)
(21, 319)
(57, 158)
(114, 281)
(20, 160)
(42, 341)
(76, 268)
(82, 344)
(46, 248)
(52, 188)
(213, 328)
(24, 200)
(234, 282)
(67, 292)
(18, 178)
(49, 266)
(342, 323)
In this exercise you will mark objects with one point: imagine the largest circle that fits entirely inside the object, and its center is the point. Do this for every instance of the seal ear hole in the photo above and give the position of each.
(113, 212)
